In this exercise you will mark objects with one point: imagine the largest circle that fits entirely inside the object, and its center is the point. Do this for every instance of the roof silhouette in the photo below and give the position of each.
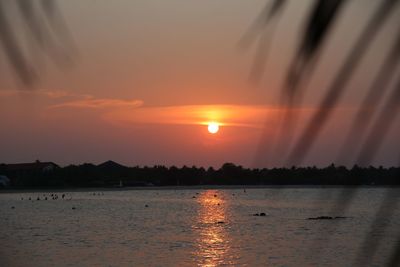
(109, 164)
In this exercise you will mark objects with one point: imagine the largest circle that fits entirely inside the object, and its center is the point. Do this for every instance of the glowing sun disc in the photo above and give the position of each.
(213, 127)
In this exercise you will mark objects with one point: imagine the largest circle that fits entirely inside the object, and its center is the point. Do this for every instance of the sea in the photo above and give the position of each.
(201, 226)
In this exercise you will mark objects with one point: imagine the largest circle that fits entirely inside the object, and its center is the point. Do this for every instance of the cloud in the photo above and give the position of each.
(6, 93)
(52, 94)
(253, 116)
(55, 94)
(95, 103)
(61, 99)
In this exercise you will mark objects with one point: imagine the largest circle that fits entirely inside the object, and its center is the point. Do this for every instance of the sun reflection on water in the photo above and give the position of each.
(213, 241)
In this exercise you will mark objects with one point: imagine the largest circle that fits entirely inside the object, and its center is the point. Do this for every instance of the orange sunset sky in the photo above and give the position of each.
(149, 75)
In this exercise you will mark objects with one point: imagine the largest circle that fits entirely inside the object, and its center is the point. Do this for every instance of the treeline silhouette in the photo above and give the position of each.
(111, 174)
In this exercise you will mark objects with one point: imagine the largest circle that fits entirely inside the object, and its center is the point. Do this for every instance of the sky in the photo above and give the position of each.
(148, 76)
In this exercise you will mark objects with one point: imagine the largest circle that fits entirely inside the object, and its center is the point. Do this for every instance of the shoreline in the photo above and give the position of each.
(189, 187)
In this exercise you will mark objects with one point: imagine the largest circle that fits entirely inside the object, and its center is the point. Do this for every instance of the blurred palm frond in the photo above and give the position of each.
(262, 28)
(317, 29)
(42, 27)
(338, 86)
(370, 103)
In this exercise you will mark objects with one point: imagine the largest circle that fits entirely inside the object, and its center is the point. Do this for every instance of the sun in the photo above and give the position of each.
(213, 127)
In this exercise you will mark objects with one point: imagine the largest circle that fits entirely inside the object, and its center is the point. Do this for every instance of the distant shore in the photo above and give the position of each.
(111, 176)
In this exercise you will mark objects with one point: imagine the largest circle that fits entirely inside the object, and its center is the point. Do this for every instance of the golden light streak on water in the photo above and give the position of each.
(213, 240)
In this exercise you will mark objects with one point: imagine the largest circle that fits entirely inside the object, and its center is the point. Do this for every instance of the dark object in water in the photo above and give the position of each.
(326, 218)
(220, 222)
(260, 214)
(193, 196)
(12, 207)
(73, 208)
(146, 206)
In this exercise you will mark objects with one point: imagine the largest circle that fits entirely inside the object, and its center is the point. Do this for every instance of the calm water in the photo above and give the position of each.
(171, 228)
